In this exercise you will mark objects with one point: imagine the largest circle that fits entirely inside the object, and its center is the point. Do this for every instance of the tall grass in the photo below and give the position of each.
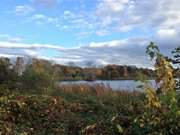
(96, 91)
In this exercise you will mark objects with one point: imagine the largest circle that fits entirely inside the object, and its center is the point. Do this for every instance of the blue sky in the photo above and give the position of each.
(81, 31)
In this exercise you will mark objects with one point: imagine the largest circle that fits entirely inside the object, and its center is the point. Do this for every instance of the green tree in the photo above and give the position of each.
(176, 62)
(7, 75)
(38, 76)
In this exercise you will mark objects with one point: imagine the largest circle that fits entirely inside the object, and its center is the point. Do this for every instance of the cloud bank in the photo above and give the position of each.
(123, 52)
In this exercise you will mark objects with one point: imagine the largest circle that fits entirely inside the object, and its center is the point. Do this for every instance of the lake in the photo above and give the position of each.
(114, 84)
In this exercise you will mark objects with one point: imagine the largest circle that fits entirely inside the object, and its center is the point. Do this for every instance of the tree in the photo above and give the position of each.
(176, 62)
(161, 110)
(71, 64)
(176, 56)
(19, 66)
(163, 69)
(38, 76)
(7, 75)
(89, 64)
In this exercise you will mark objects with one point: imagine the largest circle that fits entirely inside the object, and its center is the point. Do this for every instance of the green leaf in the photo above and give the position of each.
(120, 129)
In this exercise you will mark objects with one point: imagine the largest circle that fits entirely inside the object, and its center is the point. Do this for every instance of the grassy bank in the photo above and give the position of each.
(74, 110)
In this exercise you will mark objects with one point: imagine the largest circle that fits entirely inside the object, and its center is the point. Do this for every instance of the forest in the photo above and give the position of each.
(68, 73)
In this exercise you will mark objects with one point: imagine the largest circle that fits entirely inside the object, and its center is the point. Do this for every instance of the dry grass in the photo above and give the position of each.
(97, 89)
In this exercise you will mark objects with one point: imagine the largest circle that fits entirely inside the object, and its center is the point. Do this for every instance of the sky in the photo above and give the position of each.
(99, 32)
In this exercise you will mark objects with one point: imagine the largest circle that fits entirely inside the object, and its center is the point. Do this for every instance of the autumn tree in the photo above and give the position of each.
(39, 76)
(163, 69)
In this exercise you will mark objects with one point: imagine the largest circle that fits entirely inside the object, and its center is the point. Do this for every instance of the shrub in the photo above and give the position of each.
(162, 114)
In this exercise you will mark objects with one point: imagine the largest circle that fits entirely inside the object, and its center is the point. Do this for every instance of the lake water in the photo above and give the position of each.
(114, 84)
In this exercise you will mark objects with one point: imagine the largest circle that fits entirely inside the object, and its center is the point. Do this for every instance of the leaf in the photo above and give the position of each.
(120, 129)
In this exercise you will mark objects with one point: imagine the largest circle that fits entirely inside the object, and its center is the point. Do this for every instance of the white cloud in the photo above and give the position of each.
(31, 53)
(23, 10)
(10, 45)
(167, 33)
(111, 52)
(114, 43)
(125, 15)
(113, 16)
(102, 32)
(9, 38)
(124, 52)
(41, 19)
(8, 55)
(113, 6)
(68, 14)
(83, 34)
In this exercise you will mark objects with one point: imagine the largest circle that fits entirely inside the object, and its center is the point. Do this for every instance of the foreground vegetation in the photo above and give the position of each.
(31, 104)
(69, 112)
(86, 110)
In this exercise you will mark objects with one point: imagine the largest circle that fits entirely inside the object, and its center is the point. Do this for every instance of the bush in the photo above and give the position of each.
(162, 113)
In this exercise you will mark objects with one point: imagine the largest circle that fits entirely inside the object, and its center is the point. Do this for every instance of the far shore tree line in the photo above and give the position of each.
(42, 74)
